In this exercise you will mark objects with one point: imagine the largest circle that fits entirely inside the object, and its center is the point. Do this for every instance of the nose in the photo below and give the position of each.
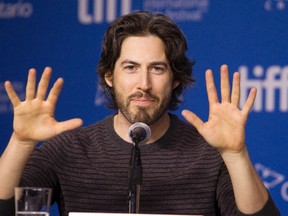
(145, 81)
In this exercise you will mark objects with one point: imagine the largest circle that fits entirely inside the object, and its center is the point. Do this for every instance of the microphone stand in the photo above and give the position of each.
(134, 179)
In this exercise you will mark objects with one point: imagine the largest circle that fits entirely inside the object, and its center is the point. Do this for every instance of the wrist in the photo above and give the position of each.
(25, 144)
(250, 193)
(231, 157)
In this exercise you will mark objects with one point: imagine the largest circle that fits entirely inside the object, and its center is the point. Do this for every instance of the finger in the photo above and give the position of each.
(55, 91)
(225, 85)
(210, 87)
(193, 119)
(249, 102)
(68, 125)
(12, 94)
(43, 84)
(31, 82)
(235, 95)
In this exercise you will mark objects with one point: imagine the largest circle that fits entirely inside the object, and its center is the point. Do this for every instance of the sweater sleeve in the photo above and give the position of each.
(7, 207)
(269, 209)
(38, 167)
(226, 199)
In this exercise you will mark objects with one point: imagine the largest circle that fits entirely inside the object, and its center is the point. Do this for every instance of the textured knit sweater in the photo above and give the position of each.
(88, 171)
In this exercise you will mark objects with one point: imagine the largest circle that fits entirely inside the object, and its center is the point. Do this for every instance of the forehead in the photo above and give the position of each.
(143, 48)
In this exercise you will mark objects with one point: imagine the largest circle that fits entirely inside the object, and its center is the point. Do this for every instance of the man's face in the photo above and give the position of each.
(142, 79)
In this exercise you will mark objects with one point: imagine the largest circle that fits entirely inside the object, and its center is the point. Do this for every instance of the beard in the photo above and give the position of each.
(148, 115)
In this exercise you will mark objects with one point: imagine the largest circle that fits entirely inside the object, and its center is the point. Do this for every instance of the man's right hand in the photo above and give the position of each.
(34, 119)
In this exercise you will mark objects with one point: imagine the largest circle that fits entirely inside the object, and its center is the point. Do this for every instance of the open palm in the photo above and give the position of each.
(34, 117)
(225, 128)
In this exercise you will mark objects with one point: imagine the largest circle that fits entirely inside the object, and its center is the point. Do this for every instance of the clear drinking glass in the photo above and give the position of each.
(32, 201)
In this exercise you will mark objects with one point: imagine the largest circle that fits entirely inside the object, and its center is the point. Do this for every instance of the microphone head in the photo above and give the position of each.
(139, 133)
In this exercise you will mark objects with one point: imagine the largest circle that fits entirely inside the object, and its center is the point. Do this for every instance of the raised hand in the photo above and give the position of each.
(34, 117)
(225, 128)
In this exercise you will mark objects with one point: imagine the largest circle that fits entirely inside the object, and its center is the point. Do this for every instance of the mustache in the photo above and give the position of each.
(147, 95)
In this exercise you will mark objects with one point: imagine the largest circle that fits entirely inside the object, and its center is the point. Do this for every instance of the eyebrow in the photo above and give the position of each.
(152, 63)
(129, 62)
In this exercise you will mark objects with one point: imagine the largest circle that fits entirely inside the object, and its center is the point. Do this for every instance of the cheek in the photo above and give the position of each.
(123, 87)
(126, 84)
(163, 85)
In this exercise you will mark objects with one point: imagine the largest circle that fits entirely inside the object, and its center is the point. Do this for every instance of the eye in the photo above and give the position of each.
(130, 68)
(158, 69)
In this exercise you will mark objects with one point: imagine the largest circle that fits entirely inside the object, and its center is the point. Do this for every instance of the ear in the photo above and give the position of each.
(175, 84)
(108, 79)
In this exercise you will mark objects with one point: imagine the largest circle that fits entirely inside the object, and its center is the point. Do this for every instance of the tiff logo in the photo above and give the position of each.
(274, 79)
(272, 178)
(270, 5)
(93, 11)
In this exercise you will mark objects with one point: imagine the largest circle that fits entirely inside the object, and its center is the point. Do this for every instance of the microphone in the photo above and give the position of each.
(139, 133)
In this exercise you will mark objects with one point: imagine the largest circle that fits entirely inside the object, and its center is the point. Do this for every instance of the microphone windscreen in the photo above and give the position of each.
(139, 132)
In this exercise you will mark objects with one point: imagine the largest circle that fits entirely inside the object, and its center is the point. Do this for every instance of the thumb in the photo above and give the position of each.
(193, 119)
(68, 125)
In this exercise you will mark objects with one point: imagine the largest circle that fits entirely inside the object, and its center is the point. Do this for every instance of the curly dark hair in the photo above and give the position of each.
(143, 23)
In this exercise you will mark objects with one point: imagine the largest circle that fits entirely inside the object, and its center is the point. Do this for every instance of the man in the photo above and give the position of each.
(201, 169)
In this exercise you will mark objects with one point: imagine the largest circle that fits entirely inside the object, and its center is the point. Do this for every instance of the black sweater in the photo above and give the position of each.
(88, 171)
